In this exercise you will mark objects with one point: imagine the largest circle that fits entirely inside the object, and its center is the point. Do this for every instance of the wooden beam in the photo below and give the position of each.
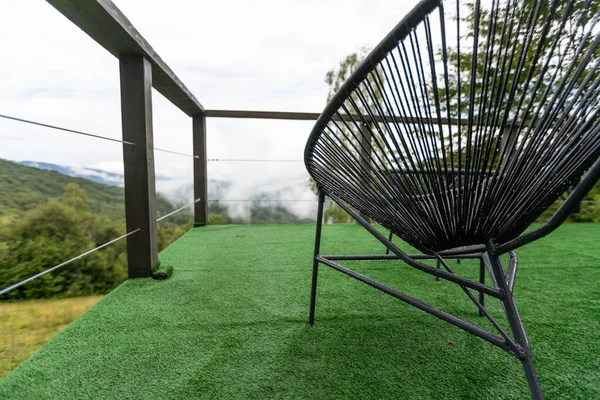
(308, 116)
(138, 160)
(200, 177)
(295, 116)
(107, 25)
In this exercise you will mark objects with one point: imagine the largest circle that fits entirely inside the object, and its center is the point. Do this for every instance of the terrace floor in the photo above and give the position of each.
(231, 323)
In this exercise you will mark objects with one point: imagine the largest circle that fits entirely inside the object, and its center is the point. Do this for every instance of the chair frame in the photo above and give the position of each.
(503, 281)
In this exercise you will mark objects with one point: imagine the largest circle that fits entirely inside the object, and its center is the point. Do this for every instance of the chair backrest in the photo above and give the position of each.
(464, 126)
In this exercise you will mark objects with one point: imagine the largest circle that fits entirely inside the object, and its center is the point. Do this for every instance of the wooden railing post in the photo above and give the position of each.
(138, 160)
(200, 177)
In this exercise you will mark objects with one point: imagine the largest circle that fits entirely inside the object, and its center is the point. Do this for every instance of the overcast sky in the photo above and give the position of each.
(254, 55)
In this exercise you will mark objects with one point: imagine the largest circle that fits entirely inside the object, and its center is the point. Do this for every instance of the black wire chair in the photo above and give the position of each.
(458, 149)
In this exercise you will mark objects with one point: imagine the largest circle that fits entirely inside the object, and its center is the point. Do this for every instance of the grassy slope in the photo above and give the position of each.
(23, 188)
(231, 323)
(26, 326)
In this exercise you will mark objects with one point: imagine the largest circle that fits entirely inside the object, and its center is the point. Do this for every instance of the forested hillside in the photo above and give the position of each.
(47, 218)
(24, 188)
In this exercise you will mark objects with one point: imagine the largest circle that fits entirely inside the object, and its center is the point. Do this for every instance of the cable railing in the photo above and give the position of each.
(78, 257)
(178, 210)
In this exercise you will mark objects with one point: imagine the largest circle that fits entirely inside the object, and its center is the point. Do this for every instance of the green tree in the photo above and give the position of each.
(550, 40)
(76, 197)
(335, 214)
(215, 219)
(53, 233)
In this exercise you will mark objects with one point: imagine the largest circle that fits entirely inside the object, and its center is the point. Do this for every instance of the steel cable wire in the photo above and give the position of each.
(79, 257)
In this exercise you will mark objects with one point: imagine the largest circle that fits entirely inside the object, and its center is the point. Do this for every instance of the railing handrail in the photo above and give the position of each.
(108, 26)
(312, 116)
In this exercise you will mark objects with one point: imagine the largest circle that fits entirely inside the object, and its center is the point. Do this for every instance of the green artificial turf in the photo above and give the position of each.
(231, 323)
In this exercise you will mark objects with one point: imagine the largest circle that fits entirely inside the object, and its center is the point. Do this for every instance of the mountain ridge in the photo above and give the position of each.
(91, 174)
(25, 187)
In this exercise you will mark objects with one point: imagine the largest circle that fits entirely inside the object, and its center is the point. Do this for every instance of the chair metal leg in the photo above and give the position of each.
(482, 281)
(532, 379)
(517, 345)
(517, 328)
(387, 249)
(315, 270)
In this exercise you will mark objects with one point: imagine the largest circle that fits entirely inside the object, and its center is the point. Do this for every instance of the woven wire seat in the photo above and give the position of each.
(457, 138)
